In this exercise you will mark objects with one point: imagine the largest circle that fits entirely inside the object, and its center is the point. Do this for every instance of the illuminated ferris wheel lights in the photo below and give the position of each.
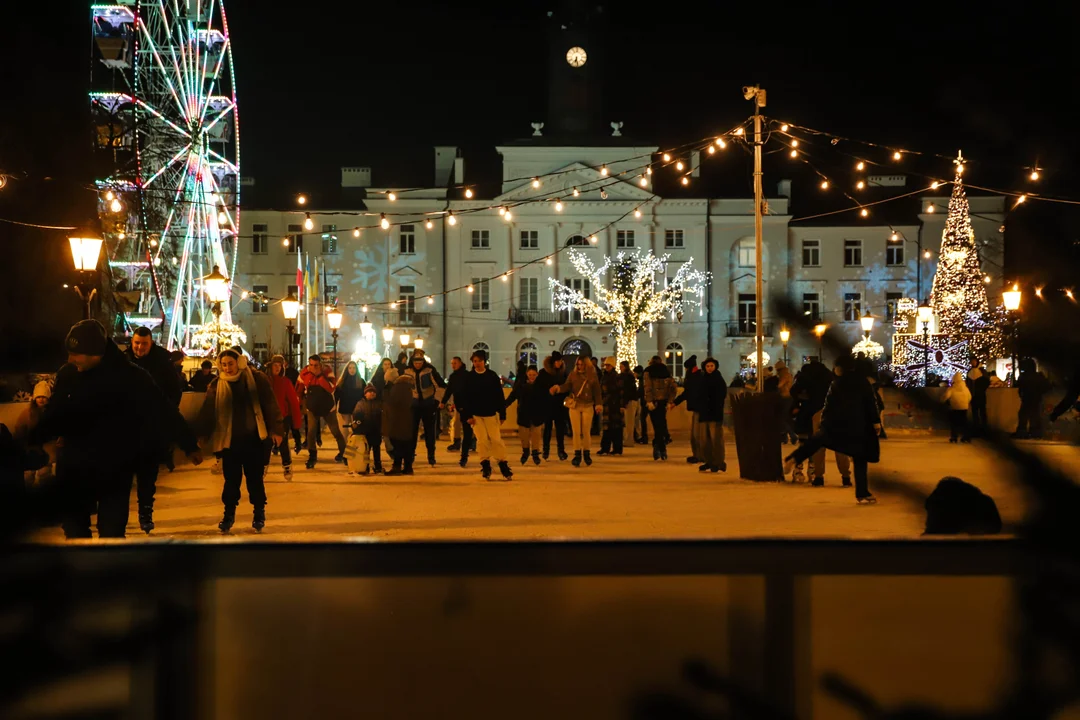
(222, 218)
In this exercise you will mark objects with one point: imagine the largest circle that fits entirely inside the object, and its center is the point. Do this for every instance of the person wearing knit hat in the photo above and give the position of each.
(42, 391)
(105, 439)
(366, 437)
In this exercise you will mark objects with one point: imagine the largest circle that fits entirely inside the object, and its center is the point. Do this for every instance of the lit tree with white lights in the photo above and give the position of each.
(959, 294)
(634, 298)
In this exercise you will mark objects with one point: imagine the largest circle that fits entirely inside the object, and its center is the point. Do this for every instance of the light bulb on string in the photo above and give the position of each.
(644, 181)
(506, 277)
(285, 242)
(508, 216)
(712, 149)
(1069, 294)
(592, 239)
(667, 157)
(391, 196)
(558, 205)
(720, 143)
(935, 185)
(244, 295)
(824, 184)
(894, 237)
(393, 306)
(860, 185)
(926, 254)
(930, 208)
(123, 235)
(864, 212)
(784, 127)
(363, 308)
(1034, 174)
(637, 213)
(450, 217)
(502, 210)
(648, 170)
(468, 192)
(536, 182)
(896, 155)
(301, 199)
(603, 194)
(356, 232)
(685, 180)
(1021, 199)
(548, 261)
(309, 224)
(384, 223)
(679, 166)
(429, 224)
(794, 142)
(222, 218)
(469, 289)
(576, 192)
(739, 131)
(794, 153)
(153, 242)
(986, 279)
(1038, 292)
(860, 165)
(430, 300)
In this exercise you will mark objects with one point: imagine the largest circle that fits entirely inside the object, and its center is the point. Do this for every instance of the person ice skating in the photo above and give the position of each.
(849, 425)
(691, 395)
(397, 421)
(201, 380)
(643, 414)
(428, 389)
(348, 392)
(485, 410)
(243, 420)
(289, 405)
(557, 418)
(316, 390)
(96, 463)
(532, 405)
(25, 424)
(1032, 386)
(659, 393)
(611, 431)
(583, 399)
(713, 390)
(629, 402)
(454, 398)
(959, 399)
(810, 389)
(978, 382)
(366, 437)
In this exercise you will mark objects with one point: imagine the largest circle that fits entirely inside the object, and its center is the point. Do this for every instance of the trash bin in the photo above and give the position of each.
(758, 421)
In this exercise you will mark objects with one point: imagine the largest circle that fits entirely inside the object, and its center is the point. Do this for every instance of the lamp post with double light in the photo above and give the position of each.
(333, 318)
(1011, 300)
(388, 338)
(925, 313)
(290, 308)
(785, 335)
(85, 253)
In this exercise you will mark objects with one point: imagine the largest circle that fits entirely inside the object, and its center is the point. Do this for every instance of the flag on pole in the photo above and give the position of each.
(299, 277)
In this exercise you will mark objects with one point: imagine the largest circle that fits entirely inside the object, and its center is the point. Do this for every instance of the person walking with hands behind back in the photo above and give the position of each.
(583, 398)
(242, 417)
(484, 408)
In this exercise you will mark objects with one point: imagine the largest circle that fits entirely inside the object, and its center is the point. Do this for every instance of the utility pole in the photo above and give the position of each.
(756, 94)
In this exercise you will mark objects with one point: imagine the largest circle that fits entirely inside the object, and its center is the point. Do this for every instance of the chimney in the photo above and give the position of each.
(355, 177)
(445, 156)
(783, 189)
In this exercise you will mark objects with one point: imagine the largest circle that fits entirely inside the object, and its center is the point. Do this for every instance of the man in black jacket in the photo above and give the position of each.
(712, 391)
(484, 401)
(629, 402)
(810, 389)
(157, 361)
(554, 373)
(978, 383)
(691, 395)
(112, 418)
(464, 439)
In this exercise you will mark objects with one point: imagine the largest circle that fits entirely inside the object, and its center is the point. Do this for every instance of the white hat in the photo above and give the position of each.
(43, 389)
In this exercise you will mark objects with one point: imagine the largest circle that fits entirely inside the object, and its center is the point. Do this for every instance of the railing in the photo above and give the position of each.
(739, 328)
(402, 318)
(547, 317)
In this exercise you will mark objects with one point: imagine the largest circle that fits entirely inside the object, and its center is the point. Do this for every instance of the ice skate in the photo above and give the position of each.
(258, 518)
(504, 468)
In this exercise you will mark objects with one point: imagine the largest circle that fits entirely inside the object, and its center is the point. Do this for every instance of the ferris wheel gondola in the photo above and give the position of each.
(165, 114)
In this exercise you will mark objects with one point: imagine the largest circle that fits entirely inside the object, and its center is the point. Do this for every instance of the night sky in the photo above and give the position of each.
(327, 84)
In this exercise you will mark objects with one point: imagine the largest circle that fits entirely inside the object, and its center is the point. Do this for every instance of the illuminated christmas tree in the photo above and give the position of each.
(634, 300)
(959, 294)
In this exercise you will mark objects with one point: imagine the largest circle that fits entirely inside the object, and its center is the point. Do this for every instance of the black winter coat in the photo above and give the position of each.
(711, 390)
(482, 396)
(629, 387)
(367, 418)
(111, 416)
(455, 386)
(532, 403)
(158, 363)
(549, 377)
(848, 419)
(809, 390)
(691, 393)
(349, 392)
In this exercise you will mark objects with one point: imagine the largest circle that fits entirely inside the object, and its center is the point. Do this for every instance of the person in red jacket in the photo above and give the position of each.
(316, 388)
(290, 409)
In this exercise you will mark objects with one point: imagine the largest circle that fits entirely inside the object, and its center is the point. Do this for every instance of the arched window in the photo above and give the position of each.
(482, 346)
(577, 348)
(673, 357)
(576, 240)
(529, 353)
(745, 253)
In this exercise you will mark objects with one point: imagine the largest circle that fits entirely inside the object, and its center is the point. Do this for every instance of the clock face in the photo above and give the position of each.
(576, 56)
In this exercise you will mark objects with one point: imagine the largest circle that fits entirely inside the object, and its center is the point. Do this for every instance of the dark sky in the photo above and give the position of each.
(326, 84)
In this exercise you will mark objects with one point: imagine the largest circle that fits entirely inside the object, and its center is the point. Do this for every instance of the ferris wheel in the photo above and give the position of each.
(163, 103)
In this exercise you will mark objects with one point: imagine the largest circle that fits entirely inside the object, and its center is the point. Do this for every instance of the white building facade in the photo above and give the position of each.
(835, 273)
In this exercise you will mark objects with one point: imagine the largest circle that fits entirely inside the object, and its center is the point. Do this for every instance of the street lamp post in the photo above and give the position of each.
(867, 321)
(1011, 300)
(785, 335)
(333, 317)
(388, 337)
(290, 307)
(925, 313)
(85, 253)
(819, 330)
(216, 287)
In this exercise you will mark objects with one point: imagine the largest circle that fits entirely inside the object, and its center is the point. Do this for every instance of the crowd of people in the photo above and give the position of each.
(250, 414)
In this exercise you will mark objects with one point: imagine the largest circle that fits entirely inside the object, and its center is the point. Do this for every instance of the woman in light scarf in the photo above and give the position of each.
(241, 417)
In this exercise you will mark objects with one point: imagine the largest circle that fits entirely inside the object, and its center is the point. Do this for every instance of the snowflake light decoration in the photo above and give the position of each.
(941, 355)
(633, 300)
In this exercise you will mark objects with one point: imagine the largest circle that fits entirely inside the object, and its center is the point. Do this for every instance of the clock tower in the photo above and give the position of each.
(575, 72)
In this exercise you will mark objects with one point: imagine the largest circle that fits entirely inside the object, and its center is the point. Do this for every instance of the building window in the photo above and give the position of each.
(894, 254)
(852, 307)
(481, 239)
(673, 357)
(407, 300)
(529, 353)
(481, 294)
(747, 253)
(891, 300)
(329, 240)
(853, 253)
(530, 239)
(673, 238)
(530, 293)
(330, 291)
(294, 290)
(258, 299)
(482, 347)
(582, 286)
(296, 239)
(407, 239)
(261, 352)
(260, 239)
(747, 313)
(576, 240)
(624, 238)
(811, 253)
(811, 307)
